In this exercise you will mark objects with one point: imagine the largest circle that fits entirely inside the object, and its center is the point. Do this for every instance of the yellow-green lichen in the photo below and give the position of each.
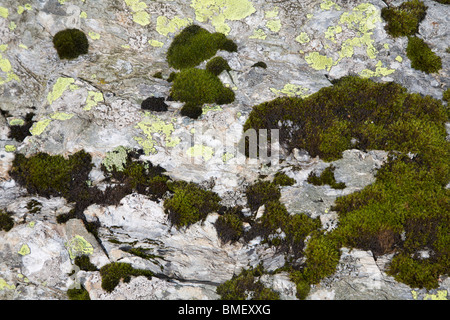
(116, 159)
(399, 58)
(93, 99)
(3, 47)
(292, 90)
(164, 25)
(24, 250)
(32, 224)
(318, 61)
(440, 295)
(328, 5)
(16, 122)
(151, 125)
(61, 116)
(6, 67)
(200, 151)
(379, 71)
(94, 35)
(332, 31)
(78, 246)
(274, 25)
(58, 89)
(83, 15)
(4, 12)
(227, 156)
(219, 11)
(23, 46)
(303, 38)
(140, 16)
(206, 108)
(258, 34)
(12, 26)
(156, 43)
(271, 13)
(5, 286)
(10, 148)
(39, 127)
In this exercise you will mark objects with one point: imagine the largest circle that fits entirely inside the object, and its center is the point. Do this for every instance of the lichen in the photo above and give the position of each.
(39, 127)
(303, 38)
(24, 250)
(328, 5)
(78, 246)
(61, 116)
(94, 35)
(218, 11)
(150, 125)
(16, 122)
(274, 25)
(4, 12)
(318, 61)
(10, 148)
(379, 71)
(200, 151)
(116, 159)
(156, 43)
(258, 34)
(59, 87)
(164, 25)
(292, 90)
(93, 98)
(140, 16)
(5, 286)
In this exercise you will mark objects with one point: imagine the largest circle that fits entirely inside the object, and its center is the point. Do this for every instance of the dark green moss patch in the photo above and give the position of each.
(191, 110)
(422, 57)
(190, 203)
(246, 286)
(6, 221)
(326, 177)
(84, 263)
(282, 179)
(78, 294)
(70, 43)
(229, 225)
(446, 95)
(260, 193)
(404, 20)
(154, 104)
(194, 45)
(217, 65)
(114, 272)
(19, 133)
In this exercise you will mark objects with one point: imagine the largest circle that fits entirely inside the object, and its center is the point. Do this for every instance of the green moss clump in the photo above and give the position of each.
(282, 179)
(78, 294)
(113, 272)
(194, 45)
(190, 203)
(443, 1)
(229, 225)
(422, 57)
(326, 177)
(48, 175)
(84, 263)
(217, 65)
(246, 286)
(404, 20)
(260, 193)
(191, 110)
(6, 221)
(70, 43)
(446, 95)
(197, 86)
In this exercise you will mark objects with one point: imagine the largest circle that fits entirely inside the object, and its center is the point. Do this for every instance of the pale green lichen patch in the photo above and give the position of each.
(440, 295)
(318, 61)
(94, 35)
(93, 99)
(151, 125)
(303, 38)
(5, 286)
(4, 12)
(274, 25)
(399, 58)
(39, 127)
(10, 148)
(379, 71)
(60, 86)
(164, 25)
(258, 34)
(5, 66)
(116, 159)
(24, 250)
(16, 122)
(140, 16)
(217, 12)
(206, 108)
(61, 116)
(292, 90)
(328, 5)
(156, 43)
(227, 156)
(78, 246)
(200, 151)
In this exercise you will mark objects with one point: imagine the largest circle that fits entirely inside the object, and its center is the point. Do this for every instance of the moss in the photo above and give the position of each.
(229, 226)
(190, 203)
(246, 286)
(191, 110)
(198, 86)
(446, 95)
(158, 75)
(78, 294)
(6, 221)
(217, 65)
(154, 104)
(194, 45)
(34, 206)
(406, 209)
(171, 76)
(404, 20)
(113, 272)
(443, 1)
(84, 263)
(422, 57)
(282, 179)
(260, 64)
(70, 43)
(20, 132)
(326, 177)
(260, 193)
(48, 175)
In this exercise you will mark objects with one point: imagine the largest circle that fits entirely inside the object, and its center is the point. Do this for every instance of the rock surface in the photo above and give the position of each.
(93, 103)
